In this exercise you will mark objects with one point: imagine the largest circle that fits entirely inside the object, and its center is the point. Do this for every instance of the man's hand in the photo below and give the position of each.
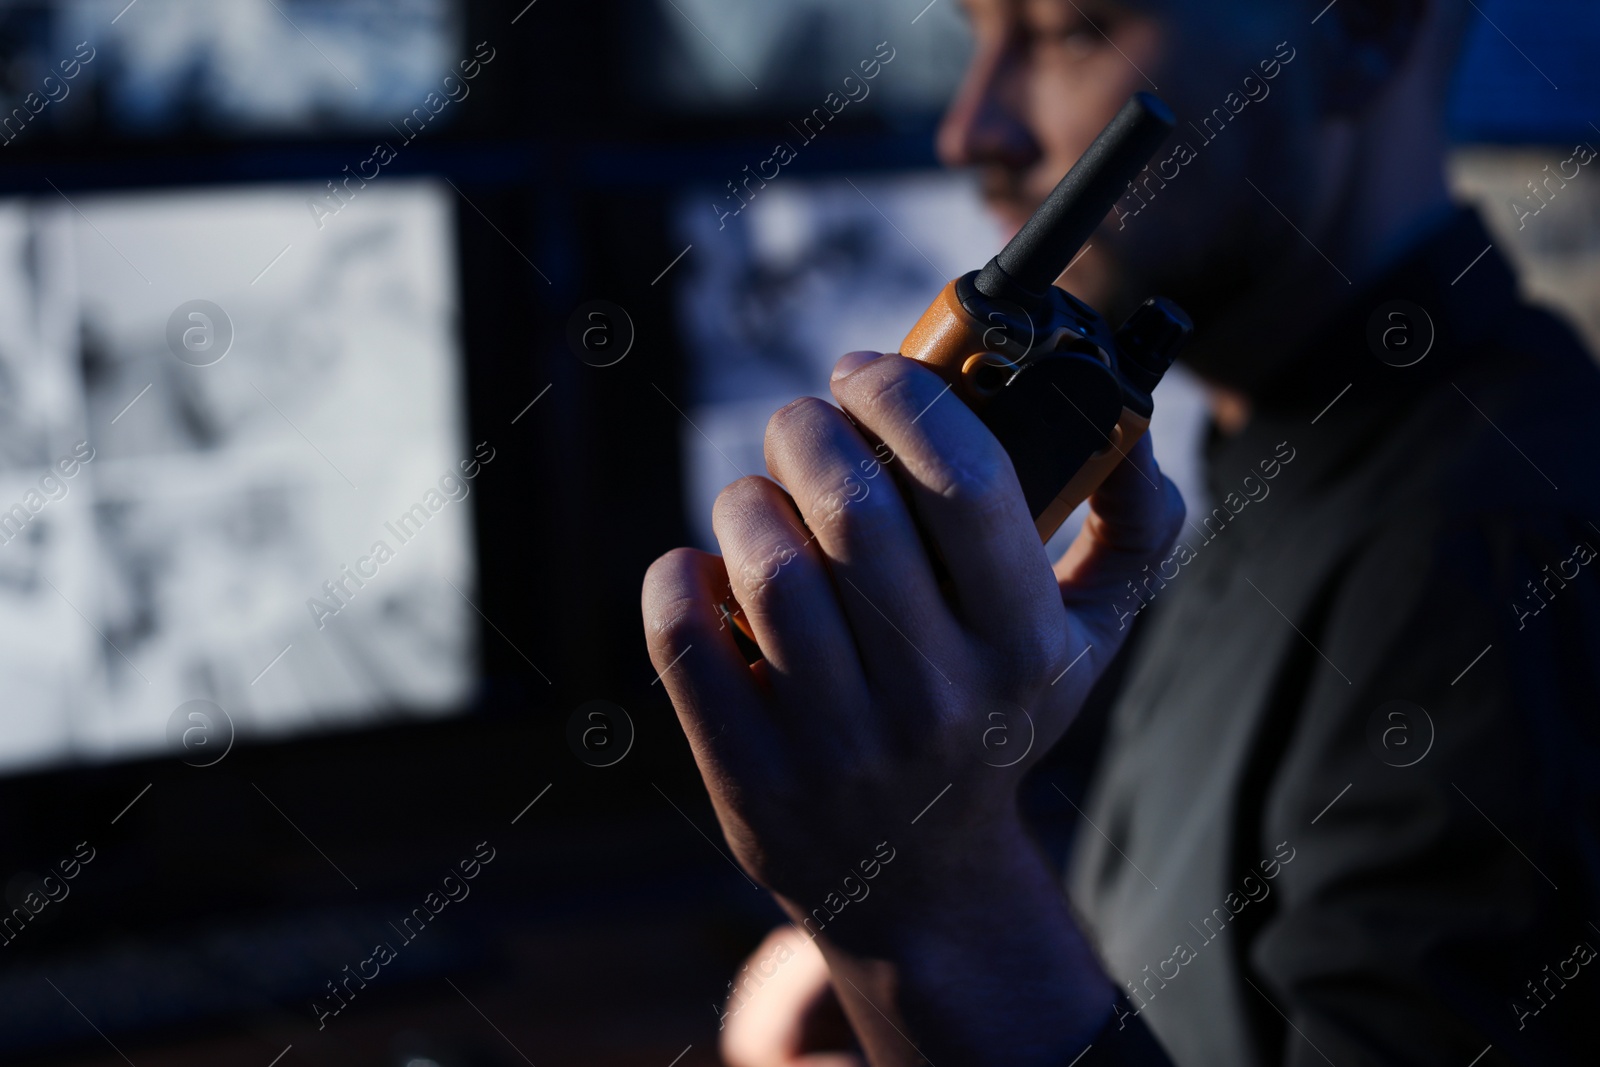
(869, 726)
(792, 1018)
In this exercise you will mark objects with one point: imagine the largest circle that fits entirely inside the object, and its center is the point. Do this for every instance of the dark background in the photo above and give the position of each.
(606, 927)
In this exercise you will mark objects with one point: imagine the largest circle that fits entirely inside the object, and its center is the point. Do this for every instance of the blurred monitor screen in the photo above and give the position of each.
(711, 57)
(782, 58)
(229, 67)
(209, 409)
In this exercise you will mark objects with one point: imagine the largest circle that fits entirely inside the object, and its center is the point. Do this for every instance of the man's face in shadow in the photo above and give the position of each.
(1047, 75)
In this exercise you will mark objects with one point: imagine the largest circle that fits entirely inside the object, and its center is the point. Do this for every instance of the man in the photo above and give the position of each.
(1347, 809)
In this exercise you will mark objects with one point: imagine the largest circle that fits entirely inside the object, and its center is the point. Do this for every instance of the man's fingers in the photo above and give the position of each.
(783, 584)
(722, 709)
(966, 494)
(780, 997)
(863, 527)
(1134, 517)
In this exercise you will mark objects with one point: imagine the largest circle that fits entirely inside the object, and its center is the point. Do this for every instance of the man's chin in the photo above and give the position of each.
(1009, 215)
(1091, 277)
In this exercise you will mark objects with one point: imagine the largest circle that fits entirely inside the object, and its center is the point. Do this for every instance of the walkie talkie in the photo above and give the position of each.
(1065, 395)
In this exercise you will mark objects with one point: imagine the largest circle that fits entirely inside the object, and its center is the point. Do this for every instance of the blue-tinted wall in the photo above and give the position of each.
(1534, 79)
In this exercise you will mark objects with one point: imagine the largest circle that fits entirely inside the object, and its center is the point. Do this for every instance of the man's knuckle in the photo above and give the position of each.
(767, 580)
(891, 393)
(674, 627)
(739, 496)
(668, 580)
(975, 481)
(789, 420)
(668, 569)
(677, 614)
(858, 521)
(826, 507)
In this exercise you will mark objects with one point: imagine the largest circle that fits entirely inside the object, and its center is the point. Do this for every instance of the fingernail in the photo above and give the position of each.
(851, 362)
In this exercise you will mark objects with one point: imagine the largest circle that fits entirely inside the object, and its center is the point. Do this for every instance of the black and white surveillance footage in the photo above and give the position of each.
(209, 410)
(245, 66)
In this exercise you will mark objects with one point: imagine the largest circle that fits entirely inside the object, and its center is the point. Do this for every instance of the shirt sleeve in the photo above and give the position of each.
(1439, 788)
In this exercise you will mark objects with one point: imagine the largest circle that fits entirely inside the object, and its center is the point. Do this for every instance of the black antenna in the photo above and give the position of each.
(1045, 245)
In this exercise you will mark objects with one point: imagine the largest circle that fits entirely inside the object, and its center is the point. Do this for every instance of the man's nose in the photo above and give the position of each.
(983, 124)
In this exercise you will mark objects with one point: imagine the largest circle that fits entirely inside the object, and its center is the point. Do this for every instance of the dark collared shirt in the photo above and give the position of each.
(1347, 811)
